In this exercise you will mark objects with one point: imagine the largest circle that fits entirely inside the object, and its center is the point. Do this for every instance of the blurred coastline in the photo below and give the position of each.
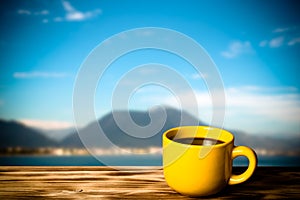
(57, 151)
(124, 157)
(23, 145)
(54, 151)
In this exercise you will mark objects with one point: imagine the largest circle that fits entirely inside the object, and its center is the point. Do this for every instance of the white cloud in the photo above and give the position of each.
(294, 41)
(24, 12)
(236, 48)
(266, 102)
(46, 125)
(254, 109)
(285, 29)
(71, 14)
(37, 74)
(285, 36)
(198, 76)
(45, 21)
(263, 43)
(276, 42)
(43, 12)
(281, 30)
(74, 15)
(253, 88)
(28, 12)
(58, 19)
(35, 13)
(67, 6)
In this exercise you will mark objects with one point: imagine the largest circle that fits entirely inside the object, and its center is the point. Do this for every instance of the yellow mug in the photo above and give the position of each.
(202, 169)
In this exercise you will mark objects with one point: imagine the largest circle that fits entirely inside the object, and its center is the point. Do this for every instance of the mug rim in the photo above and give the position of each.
(222, 131)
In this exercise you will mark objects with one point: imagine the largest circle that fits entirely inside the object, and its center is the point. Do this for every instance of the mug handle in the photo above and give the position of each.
(250, 154)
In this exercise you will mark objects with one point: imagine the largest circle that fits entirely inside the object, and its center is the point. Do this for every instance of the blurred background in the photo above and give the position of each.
(254, 44)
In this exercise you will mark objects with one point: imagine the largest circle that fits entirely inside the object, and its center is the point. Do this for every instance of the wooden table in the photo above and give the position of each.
(133, 183)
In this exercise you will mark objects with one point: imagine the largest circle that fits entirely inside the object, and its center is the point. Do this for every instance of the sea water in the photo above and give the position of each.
(128, 160)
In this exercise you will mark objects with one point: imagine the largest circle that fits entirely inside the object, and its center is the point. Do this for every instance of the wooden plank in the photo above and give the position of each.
(132, 183)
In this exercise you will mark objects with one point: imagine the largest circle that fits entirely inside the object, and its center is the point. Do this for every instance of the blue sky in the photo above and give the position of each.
(254, 44)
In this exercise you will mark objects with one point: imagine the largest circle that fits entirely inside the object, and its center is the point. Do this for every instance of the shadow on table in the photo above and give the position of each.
(266, 183)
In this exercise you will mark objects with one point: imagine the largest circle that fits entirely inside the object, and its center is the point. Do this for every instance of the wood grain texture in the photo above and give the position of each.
(133, 183)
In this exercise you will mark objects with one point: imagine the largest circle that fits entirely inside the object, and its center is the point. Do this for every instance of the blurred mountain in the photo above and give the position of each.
(133, 138)
(111, 130)
(57, 135)
(267, 142)
(15, 134)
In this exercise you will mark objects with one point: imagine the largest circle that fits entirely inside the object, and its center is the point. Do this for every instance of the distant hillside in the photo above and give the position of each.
(120, 138)
(57, 135)
(267, 142)
(14, 134)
